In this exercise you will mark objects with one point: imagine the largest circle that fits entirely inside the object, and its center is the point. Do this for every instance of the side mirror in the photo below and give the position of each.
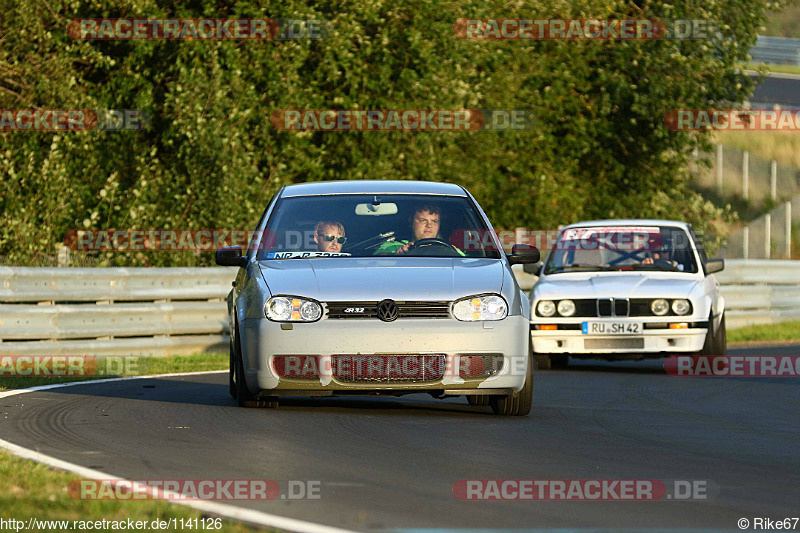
(522, 254)
(230, 256)
(532, 268)
(714, 265)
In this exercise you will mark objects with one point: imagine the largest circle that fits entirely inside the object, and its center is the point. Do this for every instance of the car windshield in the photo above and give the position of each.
(369, 225)
(616, 248)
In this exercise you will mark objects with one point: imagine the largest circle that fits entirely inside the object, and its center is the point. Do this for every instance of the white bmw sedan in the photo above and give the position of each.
(627, 289)
(378, 287)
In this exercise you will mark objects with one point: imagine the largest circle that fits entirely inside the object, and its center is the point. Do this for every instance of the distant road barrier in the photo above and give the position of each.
(778, 50)
(160, 311)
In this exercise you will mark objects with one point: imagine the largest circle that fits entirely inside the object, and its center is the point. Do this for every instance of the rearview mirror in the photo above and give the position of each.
(532, 268)
(522, 254)
(230, 256)
(384, 208)
(714, 265)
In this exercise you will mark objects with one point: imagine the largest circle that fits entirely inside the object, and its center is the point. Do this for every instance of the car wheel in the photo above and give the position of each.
(232, 371)
(519, 403)
(542, 362)
(476, 399)
(559, 361)
(243, 394)
(711, 343)
(721, 340)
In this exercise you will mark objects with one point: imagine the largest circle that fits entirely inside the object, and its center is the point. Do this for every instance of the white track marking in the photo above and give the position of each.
(221, 509)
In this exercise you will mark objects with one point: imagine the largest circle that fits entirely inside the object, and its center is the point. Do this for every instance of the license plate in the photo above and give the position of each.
(611, 328)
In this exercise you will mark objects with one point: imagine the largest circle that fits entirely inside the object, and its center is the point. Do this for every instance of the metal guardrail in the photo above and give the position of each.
(776, 50)
(113, 311)
(161, 311)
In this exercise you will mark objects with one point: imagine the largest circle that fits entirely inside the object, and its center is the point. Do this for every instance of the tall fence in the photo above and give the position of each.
(770, 236)
(737, 172)
(160, 311)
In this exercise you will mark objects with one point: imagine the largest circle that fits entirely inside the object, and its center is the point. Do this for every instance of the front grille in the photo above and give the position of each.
(404, 309)
(613, 307)
(388, 368)
(627, 343)
(603, 307)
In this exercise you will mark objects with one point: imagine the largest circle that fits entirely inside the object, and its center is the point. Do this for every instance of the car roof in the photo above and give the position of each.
(629, 222)
(316, 188)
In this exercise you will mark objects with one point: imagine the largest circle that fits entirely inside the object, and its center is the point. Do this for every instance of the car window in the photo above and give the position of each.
(601, 248)
(366, 225)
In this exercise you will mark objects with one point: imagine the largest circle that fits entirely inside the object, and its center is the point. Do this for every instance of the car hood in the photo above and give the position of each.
(606, 285)
(374, 279)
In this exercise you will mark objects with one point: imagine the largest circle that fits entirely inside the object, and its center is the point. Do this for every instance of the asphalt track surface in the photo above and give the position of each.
(391, 463)
(778, 89)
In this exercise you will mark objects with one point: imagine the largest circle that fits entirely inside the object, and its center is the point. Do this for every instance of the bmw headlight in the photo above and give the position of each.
(566, 308)
(659, 307)
(485, 307)
(546, 308)
(681, 307)
(292, 309)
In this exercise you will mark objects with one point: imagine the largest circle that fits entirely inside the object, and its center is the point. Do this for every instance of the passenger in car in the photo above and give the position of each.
(329, 236)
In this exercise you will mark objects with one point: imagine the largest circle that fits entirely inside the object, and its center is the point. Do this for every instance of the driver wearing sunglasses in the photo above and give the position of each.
(329, 236)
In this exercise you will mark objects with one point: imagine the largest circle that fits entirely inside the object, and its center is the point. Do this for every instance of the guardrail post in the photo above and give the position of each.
(788, 229)
(63, 255)
(773, 180)
(745, 174)
(719, 166)
(745, 242)
(767, 234)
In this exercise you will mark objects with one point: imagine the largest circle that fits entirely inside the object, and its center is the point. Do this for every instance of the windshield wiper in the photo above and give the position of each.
(578, 266)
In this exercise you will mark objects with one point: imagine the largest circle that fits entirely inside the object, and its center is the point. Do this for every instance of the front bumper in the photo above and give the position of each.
(573, 341)
(262, 340)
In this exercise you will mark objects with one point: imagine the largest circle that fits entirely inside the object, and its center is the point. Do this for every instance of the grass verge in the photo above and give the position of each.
(772, 67)
(32, 490)
(783, 331)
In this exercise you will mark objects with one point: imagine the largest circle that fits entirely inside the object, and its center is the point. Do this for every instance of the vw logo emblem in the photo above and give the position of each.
(387, 310)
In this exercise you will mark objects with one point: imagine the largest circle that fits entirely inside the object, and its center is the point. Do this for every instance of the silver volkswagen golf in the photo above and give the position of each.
(378, 287)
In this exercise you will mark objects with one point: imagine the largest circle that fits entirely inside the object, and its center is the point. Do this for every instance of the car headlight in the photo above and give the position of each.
(486, 307)
(681, 307)
(566, 308)
(292, 309)
(546, 308)
(659, 307)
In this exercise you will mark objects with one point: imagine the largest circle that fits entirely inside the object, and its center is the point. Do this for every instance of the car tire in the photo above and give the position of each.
(231, 371)
(519, 403)
(559, 362)
(716, 341)
(542, 362)
(243, 394)
(721, 340)
(476, 399)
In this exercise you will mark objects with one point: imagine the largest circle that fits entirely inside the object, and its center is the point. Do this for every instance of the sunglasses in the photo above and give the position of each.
(330, 238)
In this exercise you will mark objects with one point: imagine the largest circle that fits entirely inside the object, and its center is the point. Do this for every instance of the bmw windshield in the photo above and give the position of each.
(617, 248)
(369, 225)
